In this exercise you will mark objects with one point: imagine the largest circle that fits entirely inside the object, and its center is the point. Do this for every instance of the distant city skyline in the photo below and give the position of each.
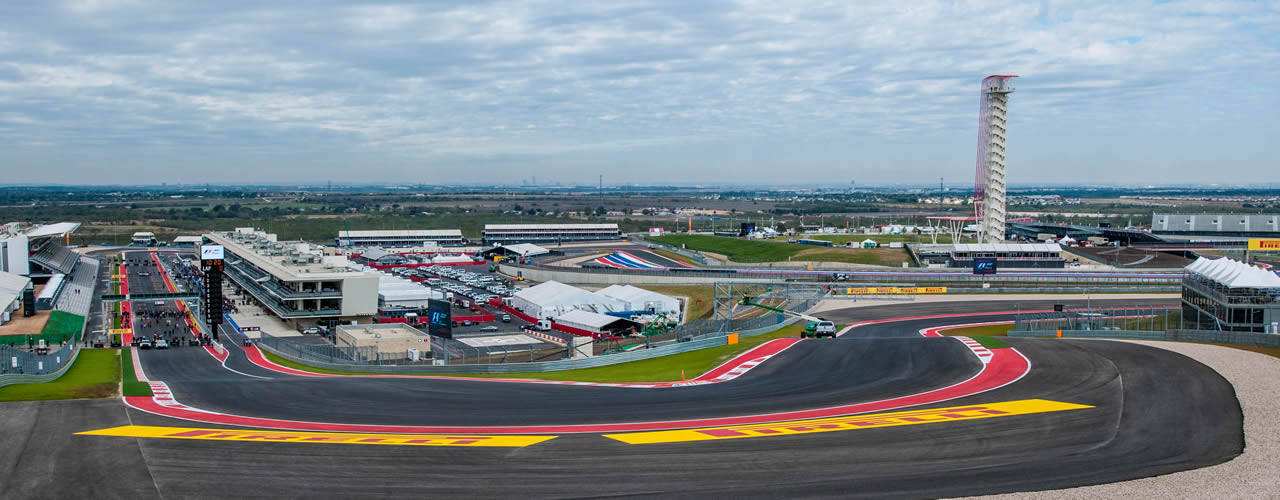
(656, 93)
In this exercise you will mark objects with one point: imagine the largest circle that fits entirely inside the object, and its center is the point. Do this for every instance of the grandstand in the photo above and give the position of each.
(401, 238)
(507, 234)
(1229, 295)
(1007, 255)
(1227, 225)
(78, 288)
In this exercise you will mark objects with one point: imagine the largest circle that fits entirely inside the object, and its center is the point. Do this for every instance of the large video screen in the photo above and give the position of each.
(439, 319)
(984, 265)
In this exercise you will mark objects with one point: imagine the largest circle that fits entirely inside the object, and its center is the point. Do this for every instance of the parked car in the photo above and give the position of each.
(144, 343)
(506, 318)
(162, 344)
(311, 331)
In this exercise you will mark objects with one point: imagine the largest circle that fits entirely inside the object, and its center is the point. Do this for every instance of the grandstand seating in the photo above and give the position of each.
(77, 294)
(56, 257)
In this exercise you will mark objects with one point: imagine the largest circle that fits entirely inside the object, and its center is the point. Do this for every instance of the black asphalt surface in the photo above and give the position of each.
(1155, 412)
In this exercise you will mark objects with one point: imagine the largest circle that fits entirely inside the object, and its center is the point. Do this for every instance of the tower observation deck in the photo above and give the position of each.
(989, 187)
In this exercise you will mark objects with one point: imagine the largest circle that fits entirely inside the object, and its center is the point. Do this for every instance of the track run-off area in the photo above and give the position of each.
(880, 411)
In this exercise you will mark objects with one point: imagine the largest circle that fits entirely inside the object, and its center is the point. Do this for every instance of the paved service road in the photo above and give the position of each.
(1151, 412)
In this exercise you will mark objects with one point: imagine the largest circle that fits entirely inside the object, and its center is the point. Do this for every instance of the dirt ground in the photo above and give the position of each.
(19, 325)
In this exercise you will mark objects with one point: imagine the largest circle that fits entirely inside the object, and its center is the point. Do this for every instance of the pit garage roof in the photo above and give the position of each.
(188, 239)
(1234, 274)
(53, 229)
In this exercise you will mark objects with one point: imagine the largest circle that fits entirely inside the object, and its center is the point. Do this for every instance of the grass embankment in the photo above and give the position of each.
(692, 293)
(95, 374)
(979, 331)
(755, 251)
(62, 327)
(132, 387)
(663, 369)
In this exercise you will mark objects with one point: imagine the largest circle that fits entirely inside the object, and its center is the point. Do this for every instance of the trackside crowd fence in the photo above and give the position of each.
(1212, 336)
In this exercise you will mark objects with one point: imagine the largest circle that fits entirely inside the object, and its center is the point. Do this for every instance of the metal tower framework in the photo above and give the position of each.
(989, 188)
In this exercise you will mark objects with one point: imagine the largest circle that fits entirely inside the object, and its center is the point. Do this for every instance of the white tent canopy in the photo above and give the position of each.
(590, 321)
(1234, 274)
(551, 299)
(639, 299)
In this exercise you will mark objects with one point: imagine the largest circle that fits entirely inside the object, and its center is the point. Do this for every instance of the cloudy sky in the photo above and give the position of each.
(110, 91)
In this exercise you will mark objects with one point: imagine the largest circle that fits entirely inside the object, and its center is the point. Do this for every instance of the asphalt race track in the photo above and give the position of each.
(1150, 412)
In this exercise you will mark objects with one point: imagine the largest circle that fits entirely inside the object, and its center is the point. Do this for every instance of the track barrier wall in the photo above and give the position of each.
(1211, 336)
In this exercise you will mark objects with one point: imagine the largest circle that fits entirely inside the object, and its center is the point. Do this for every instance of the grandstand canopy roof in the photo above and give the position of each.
(53, 229)
(405, 233)
(188, 239)
(511, 227)
(1234, 274)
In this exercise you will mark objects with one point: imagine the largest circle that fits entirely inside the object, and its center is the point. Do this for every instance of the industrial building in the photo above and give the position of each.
(294, 280)
(143, 239)
(519, 250)
(508, 234)
(418, 238)
(379, 257)
(1007, 255)
(1225, 225)
(13, 289)
(381, 342)
(1229, 295)
(187, 241)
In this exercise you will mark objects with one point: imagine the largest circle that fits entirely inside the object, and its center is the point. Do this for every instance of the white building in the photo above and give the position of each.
(551, 299)
(639, 299)
(294, 280)
(12, 287)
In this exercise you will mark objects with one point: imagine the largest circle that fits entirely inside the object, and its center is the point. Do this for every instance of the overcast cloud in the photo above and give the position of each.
(107, 91)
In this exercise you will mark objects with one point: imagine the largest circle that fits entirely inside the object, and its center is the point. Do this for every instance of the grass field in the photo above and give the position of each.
(979, 331)
(891, 257)
(61, 327)
(841, 239)
(675, 256)
(739, 250)
(95, 374)
(664, 369)
(696, 310)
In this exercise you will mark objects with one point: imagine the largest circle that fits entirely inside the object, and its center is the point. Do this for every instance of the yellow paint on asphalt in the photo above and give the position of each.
(852, 422)
(272, 436)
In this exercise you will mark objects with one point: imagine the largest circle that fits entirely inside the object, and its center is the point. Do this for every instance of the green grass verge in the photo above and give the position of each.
(990, 342)
(132, 387)
(841, 239)
(736, 249)
(979, 331)
(675, 256)
(95, 374)
(892, 257)
(663, 369)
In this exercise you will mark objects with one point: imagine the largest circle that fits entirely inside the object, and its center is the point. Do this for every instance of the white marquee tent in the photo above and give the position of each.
(1234, 274)
(639, 299)
(552, 299)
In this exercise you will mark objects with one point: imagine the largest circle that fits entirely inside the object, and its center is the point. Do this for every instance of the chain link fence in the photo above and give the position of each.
(1147, 318)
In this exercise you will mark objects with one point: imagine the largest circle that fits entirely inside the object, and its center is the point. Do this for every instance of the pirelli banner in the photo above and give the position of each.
(1268, 244)
(892, 290)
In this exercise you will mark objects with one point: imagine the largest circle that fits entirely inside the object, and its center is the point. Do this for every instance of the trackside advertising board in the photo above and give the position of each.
(439, 319)
(984, 265)
(1271, 244)
(895, 289)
